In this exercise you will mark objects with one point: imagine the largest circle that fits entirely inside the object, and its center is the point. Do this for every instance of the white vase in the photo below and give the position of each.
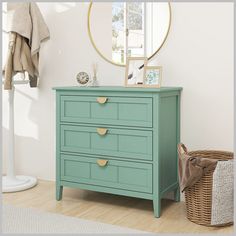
(95, 81)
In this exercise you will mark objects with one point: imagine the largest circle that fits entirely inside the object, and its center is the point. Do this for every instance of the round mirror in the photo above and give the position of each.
(119, 30)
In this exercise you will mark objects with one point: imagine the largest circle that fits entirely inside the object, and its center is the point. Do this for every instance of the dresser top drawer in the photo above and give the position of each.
(109, 110)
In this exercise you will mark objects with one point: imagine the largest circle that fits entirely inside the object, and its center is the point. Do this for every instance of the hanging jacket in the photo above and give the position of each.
(27, 30)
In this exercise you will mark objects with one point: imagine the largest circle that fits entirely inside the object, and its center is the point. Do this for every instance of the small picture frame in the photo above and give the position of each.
(153, 76)
(135, 71)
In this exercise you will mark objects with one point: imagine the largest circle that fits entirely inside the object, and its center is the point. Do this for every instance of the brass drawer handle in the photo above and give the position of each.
(102, 100)
(102, 162)
(101, 131)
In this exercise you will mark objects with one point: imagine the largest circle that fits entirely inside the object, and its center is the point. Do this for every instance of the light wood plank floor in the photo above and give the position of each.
(112, 209)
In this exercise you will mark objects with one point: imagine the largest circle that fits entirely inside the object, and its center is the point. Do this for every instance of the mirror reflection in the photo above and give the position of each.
(128, 29)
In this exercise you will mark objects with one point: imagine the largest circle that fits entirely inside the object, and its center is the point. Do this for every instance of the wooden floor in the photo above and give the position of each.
(112, 209)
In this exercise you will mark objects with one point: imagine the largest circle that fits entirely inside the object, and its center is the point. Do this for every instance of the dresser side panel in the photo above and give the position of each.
(168, 139)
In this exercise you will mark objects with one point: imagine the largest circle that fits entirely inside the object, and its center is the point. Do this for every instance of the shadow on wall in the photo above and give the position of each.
(34, 133)
(25, 148)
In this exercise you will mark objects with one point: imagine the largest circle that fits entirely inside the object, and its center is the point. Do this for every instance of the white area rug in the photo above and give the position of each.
(28, 220)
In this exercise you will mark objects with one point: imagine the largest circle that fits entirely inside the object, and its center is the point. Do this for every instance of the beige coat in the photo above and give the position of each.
(27, 30)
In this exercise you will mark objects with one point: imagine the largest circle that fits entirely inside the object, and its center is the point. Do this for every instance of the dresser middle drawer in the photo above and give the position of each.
(126, 111)
(122, 143)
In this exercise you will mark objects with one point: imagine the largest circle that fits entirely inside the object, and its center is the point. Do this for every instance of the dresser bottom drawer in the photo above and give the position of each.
(108, 173)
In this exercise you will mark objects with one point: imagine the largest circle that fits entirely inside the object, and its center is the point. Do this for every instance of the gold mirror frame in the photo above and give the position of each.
(117, 64)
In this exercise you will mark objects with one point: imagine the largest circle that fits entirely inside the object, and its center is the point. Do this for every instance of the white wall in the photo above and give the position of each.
(100, 25)
(198, 56)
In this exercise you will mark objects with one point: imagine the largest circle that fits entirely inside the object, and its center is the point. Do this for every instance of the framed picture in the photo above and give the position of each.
(134, 73)
(153, 76)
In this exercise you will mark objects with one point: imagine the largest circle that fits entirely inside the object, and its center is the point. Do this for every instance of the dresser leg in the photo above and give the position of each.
(177, 194)
(59, 190)
(157, 207)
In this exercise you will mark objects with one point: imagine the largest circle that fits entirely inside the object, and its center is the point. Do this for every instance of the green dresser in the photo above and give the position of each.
(118, 140)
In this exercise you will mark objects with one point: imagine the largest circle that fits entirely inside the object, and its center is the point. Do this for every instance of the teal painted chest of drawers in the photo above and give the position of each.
(118, 140)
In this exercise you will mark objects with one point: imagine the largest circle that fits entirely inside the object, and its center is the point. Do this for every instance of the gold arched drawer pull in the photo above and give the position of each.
(101, 131)
(101, 162)
(102, 100)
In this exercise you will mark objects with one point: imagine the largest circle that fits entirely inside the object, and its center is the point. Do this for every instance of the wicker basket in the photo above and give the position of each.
(199, 197)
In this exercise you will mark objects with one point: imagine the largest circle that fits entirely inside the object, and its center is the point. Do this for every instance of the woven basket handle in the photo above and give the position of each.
(182, 149)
